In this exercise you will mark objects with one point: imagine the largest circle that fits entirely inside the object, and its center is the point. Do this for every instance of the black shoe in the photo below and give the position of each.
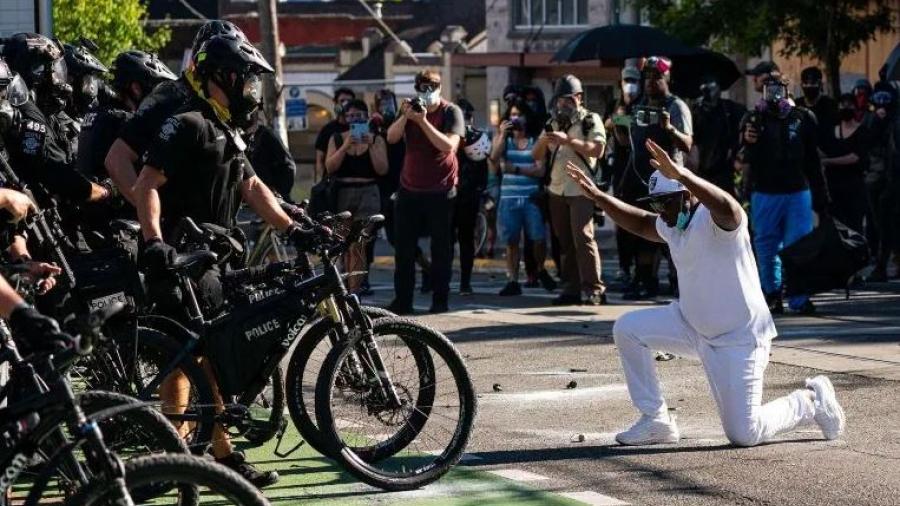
(638, 293)
(596, 299)
(238, 462)
(398, 309)
(532, 283)
(438, 308)
(511, 288)
(465, 289)
(547, 281)
(775, 303)
(567, 300)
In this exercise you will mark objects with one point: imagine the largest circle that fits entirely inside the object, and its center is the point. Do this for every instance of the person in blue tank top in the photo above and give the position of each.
(521, 182)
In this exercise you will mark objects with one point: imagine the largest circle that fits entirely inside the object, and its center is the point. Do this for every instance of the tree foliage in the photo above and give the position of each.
(826, 30)
(114, 25)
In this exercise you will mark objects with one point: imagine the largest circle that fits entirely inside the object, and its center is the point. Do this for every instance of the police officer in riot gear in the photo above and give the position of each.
(36, 144)
(196, 167)
(86, 79)
(134, 75)
(138, 131)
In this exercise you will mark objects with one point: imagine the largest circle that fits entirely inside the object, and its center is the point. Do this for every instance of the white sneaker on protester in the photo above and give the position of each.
(829, 414)
(650, 430)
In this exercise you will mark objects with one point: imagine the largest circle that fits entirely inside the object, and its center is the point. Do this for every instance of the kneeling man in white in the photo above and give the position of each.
(720, 317)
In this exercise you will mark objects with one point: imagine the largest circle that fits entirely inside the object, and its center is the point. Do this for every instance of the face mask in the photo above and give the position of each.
(780, 108)
(847, 113)
(340, 107)
(565, 114)
(631, 89)
(812, 92)
(684, 217)
(431, 98)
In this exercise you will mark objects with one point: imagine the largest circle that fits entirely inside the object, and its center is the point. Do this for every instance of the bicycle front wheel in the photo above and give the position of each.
(405, 439)
(185, 477)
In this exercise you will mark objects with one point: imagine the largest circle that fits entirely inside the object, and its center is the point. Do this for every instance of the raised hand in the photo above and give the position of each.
(662, 162)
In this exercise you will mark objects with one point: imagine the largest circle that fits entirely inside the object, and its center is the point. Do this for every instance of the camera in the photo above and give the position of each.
(417, 104)
(647, 116)
(755, 120)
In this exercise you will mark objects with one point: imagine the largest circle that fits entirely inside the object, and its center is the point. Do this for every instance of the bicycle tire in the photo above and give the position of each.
(259, 435)
(157, 429)
(160, 349)
(414, 335)
(188, 472)
(302, 412)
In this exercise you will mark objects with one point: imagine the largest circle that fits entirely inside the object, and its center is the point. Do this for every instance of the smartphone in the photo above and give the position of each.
(359, 130)
(622, 120)
(645, 116)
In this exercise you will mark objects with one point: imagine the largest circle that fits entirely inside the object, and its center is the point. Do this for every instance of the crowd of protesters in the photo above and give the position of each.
(791, 160)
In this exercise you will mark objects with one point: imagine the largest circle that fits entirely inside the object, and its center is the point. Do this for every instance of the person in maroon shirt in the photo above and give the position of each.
(432, 129)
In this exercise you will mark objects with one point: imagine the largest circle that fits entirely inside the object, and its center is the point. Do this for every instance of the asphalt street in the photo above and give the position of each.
(538, 431)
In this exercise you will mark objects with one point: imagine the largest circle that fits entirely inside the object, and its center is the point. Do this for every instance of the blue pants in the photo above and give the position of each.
(779, 220)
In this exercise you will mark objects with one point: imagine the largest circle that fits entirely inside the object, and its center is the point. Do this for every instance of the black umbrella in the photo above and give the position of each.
(892, 64)
(618, 42)
(690, 71)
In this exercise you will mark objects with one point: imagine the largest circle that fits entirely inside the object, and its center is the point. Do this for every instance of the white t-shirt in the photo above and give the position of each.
(718, 283)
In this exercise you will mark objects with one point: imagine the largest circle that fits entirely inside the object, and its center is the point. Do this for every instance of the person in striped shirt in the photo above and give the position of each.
(521, 182)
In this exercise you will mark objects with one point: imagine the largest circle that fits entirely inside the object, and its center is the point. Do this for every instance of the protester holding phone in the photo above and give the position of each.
(356, 158)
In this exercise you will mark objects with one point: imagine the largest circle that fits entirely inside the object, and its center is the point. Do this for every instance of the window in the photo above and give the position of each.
(549, 13)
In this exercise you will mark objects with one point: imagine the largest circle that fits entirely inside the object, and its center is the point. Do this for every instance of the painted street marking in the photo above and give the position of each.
(604, 392)
(518, 475)
(594, 498)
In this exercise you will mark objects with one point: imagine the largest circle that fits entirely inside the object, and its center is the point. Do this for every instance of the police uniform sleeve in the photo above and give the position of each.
(176, 146)
(48, 163)
(141, 128)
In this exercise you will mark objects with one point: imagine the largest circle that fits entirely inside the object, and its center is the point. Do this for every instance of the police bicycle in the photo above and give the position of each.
(407, 379)
(80, 462)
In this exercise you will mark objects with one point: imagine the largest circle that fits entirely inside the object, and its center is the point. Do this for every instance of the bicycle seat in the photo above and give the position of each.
(129, 226)
(184, 261)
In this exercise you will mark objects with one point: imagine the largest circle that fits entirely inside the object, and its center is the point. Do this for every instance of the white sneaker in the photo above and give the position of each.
(829, 414)
(650, 431)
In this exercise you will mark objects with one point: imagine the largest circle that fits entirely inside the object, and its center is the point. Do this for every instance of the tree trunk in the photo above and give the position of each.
(272, 103)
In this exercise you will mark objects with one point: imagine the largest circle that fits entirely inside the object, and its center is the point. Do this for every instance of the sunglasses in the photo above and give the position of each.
(659, 205)
(427, 87)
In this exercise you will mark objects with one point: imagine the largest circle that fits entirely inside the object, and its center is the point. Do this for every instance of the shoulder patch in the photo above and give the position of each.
(88, 120)
(168, 129)
(32, 142)
(35, 126)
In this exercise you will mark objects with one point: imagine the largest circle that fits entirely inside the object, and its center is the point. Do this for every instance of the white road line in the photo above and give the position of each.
(518, 475)
(603, 392)
(594, 498)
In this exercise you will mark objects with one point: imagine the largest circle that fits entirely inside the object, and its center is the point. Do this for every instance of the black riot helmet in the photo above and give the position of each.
(215, 27)
(13, 93)
(85, 72)
(40, 62)
(234, 65)
(142, 68)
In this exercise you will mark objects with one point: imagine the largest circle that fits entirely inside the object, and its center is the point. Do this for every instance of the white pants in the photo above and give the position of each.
(735, 375)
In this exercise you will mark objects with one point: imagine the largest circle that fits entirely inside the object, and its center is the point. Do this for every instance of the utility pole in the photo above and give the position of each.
(273, 103)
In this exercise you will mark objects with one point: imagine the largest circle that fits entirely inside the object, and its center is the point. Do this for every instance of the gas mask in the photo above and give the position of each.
(565, 114)
(631, 90)
(11, 98)
(50, 85)
(341, 107)
(86, 92)
(775, 100)
(244, 99)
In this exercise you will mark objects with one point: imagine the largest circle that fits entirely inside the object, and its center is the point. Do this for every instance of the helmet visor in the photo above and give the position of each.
(773, 92)
(59, 73)
(17, 92)
(252, 91)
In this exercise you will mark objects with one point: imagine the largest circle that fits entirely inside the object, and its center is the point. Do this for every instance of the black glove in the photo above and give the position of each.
(33, 331)
(110, 187)
(302, 238)
(157, 256)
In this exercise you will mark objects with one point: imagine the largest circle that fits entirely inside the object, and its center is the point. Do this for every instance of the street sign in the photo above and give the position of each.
(295, 109)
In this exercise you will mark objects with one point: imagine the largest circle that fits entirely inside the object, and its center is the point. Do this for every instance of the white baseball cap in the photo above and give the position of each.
(660, 186)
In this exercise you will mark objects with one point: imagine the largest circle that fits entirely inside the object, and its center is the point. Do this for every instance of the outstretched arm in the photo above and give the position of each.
(635, 220)
(725, 211)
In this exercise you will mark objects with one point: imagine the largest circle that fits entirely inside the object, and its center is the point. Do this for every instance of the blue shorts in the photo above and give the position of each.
(517, 214)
